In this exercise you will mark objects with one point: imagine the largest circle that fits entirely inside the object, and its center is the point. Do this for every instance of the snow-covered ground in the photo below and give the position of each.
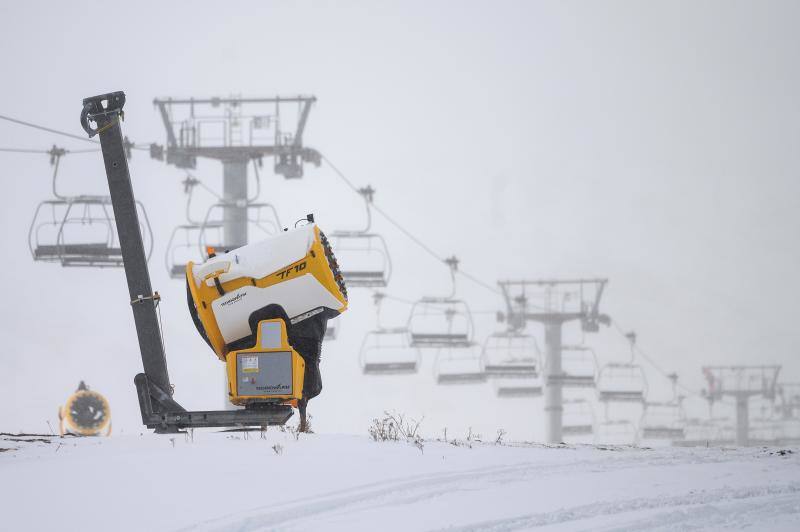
(273, 481)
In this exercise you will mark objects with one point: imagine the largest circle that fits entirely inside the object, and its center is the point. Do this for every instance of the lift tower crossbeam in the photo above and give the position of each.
(235, 131)
(557, 301)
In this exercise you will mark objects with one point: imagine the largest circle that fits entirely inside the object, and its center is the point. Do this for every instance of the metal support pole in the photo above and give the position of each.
(553, 404)
(234, 194)
(140, 290)
(234, 224)
(742, 419)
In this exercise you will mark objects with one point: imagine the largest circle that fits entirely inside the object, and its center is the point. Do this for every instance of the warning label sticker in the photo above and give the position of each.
(249, 364)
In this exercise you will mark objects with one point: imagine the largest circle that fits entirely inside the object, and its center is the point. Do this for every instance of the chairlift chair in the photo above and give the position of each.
(578, 368)
(512, 361)
(663, 421)
(440, 322)
(718, 431)
(80, 231)
(513, 387)
(765, 431)
(578, 418)
(189, 242)
(388, 352)
(363, 256)
(184, 246)
(459, 365)
(622, 382)
(511, 354)
(332, 330)
(616, 432)
(260, 216)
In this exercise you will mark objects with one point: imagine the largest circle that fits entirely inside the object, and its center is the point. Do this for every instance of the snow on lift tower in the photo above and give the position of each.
(557, 301)
(387, 350)
(741, 383)
(363, 255)
(513, 363)
(78, 230)
(290, 279)
(441, 322)
(622, 382)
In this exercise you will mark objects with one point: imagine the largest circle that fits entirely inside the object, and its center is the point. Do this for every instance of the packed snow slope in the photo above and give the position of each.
(275, 481)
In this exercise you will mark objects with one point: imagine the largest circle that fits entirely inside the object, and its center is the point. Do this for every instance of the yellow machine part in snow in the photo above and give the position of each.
(86, 413)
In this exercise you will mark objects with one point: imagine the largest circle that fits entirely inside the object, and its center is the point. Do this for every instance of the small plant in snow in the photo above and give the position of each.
(278, 448)
(499, 439)
(294, 431)
(395, 427)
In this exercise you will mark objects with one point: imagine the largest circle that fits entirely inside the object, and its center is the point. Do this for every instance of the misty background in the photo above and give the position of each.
(651, 143)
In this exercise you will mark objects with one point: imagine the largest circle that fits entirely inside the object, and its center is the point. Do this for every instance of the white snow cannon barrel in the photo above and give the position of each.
(292, 275)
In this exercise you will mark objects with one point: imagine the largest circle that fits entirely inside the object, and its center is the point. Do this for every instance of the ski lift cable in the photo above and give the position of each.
(406, 232)
(47, 152)
(58, 132)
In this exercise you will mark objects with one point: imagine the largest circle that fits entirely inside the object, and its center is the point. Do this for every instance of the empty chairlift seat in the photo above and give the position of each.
(186, 244)
(621, 382)
(512, 387)
(513, 362)
(440, 323)
(616, 432)
(578, 368)
(388, 352)
(332, 330)
(80, 231)
(459, 365)
(663, 421)
(578, 418)
(511, 354)
(716, 431)
(362, 255)
(363, 258)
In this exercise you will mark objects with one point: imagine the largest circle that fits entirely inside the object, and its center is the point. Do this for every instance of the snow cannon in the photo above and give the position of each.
(86, 413)
(263, 308)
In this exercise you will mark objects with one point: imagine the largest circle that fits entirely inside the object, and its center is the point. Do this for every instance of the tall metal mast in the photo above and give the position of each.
(557, 302)
(159, 410)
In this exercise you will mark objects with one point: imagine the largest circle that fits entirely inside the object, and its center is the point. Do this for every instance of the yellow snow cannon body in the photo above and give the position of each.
(251, 304)
(86, 413)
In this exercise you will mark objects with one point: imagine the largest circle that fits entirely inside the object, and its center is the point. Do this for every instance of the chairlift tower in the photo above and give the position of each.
(236, 131)
(553, 302)
(741, 383)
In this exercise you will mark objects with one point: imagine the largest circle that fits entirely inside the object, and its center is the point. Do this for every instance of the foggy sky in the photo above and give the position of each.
(651, 143)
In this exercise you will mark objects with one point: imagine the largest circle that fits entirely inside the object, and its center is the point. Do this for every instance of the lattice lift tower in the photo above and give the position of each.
(552, 303)
(741, 383)
(236, 131)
